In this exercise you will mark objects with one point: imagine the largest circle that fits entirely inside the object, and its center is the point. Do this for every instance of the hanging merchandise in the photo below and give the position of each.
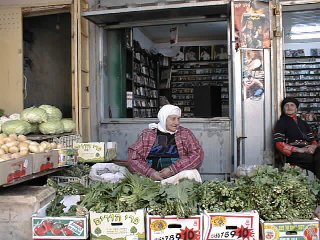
(174, 35)
(252, 28)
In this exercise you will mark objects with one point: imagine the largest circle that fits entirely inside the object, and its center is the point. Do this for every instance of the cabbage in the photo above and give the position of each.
(16, 126)
(68, 124)
(34, 115)
(54, 113)
(34, 128)
(51, 127)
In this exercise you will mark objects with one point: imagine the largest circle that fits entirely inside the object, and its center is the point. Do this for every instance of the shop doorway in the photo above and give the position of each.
(301, 35)
(47, 61)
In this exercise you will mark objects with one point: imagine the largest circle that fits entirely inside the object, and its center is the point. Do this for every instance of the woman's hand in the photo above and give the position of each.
(311, 149)
(156, 176)
(166, 173)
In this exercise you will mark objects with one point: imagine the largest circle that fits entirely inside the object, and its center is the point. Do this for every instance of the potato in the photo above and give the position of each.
(3, 135)
(11, 144)
(59, 146)
(53, 145)
(1, 141)
(23, 144)
(24, 152)
(13, 149)
(15, 155)
(2, 152)
(13, 136)
(34, 148)
(7, 139)
(6, 156)
(41, 149)
(22, 138)
(34, 143)
(5, 148)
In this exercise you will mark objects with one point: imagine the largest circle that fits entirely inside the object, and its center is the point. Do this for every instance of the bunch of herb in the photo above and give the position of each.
(221, 196)
(180, 199)
(287, 194)
(78, 170)
(71, 188)
(101, 198)
(135, 192)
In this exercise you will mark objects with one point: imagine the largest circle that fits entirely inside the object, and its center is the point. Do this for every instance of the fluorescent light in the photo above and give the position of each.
(305, 35)
(305, 28)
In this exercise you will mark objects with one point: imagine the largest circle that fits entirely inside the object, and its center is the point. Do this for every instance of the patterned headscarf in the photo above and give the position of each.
(163, 114)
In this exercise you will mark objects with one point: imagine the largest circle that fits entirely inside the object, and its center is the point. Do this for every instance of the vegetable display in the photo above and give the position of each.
(277, 195)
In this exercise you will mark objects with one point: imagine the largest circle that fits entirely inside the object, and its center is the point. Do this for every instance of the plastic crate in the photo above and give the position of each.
(63, 180)
(68, 141)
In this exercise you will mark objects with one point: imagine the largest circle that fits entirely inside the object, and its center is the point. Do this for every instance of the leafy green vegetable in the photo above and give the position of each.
(54, 113)
(34, 115)
(16, 126)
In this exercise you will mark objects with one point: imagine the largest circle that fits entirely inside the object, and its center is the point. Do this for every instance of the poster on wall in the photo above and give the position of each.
(191, 53)
(252, 74)
(220, 52)
(205, 53)
(252, 24)
(179, 56)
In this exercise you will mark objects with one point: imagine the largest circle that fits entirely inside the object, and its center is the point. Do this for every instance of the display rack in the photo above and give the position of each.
(144, 79)
(302, 81)
(188, 75)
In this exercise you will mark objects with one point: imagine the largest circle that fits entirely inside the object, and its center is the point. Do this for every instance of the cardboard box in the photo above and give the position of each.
(17, 204)
(45, 161)
(96, 151)
(73, 227)
(171, 227)
(120, 226)
(240, 225)
(67, 157)
(297, 230)
(14, 169)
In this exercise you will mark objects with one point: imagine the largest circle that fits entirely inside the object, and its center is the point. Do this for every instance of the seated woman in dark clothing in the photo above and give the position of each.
(294, 139)
(165, 148)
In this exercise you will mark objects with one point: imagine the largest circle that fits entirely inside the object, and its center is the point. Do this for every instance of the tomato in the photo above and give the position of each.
(56, 231)
(48, 225)
(40, 230)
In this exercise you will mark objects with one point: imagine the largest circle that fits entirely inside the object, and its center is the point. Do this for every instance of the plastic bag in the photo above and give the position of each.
(107, 172)
(189, 174)
(246, 170)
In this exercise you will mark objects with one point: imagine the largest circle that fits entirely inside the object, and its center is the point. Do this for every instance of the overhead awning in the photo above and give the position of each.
(201, 10)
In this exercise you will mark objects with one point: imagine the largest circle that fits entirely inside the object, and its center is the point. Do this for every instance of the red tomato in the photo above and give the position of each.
(56, 231)
(40, 230)
(48, 225)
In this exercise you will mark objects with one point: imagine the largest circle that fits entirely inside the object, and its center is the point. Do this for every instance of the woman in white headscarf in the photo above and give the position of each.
(165, 148)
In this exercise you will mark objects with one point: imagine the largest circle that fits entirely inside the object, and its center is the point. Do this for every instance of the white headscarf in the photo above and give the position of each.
(163, 114)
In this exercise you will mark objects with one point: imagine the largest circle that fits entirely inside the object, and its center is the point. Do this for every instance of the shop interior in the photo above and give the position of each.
(302, 60)
(47, 61)
(181, 64)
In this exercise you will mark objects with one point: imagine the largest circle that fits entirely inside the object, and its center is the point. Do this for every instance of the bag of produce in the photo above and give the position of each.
(34, 115)
(54, 113)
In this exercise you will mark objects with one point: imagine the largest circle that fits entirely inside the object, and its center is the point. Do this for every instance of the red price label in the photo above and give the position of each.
(244, 233)
(189, 234)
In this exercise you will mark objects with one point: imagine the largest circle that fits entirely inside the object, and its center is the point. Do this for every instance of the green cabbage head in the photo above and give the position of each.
(34, 115)
(16, 126)
(54, 113)
(68, 124)
(51, 127)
